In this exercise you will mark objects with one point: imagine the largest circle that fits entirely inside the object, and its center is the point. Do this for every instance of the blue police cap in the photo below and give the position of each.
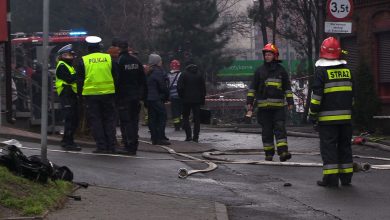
(66, 49)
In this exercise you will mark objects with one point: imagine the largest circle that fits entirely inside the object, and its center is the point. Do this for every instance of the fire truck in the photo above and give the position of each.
(27, 72)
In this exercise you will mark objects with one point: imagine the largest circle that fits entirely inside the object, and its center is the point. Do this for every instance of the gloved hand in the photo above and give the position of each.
(311, 118)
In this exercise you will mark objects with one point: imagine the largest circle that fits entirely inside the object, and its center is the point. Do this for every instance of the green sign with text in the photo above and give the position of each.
(246, 68)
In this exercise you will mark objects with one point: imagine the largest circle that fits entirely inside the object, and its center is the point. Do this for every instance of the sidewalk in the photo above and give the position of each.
(102, 203)
(108, 203)
(179, 146)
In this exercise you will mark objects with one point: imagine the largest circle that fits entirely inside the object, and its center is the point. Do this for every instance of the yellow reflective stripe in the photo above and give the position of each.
(108, 89)
(98, 83)
(330, 171)
(335, 117)
(268, 148)
(315, 102)
(271, 104)
(346, 170)
(250, 94)
(176, 120)
(281, 144)
(338, 89)
(290, 95)
(277, 84)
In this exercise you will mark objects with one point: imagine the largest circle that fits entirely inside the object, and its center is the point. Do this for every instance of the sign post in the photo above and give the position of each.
(339, 16)
(3, 21)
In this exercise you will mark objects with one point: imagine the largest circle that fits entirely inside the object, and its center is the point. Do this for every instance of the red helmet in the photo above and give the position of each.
(330, 49)
(175, 65)
(271, 48)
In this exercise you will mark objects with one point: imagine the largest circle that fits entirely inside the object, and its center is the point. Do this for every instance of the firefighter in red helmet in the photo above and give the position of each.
(176, 104)
(330, 108)
(271, 88)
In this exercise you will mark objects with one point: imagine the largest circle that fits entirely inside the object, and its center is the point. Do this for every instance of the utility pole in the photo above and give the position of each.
(45, 73)
(321, 20)
(8, 70)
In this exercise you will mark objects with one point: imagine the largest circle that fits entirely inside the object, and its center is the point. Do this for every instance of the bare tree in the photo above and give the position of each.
(259, 15)
(301, 22)
(132, 20)
(236, 21)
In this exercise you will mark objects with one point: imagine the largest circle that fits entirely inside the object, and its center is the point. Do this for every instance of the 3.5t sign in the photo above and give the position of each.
(339, 10)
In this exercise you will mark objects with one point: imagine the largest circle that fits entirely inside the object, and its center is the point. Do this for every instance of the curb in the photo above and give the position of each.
(221, 211)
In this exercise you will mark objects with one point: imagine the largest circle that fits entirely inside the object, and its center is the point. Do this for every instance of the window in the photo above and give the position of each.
(350, 45)
(384, 57)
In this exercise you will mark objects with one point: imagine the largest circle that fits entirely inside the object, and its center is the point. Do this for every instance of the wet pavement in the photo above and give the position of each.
(248, 191)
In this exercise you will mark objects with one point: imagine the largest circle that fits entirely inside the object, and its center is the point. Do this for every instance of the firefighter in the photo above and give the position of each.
(176, 104)
(271, 87)
(67, 92)
(96, 77)
(131, 88)
(331, 107)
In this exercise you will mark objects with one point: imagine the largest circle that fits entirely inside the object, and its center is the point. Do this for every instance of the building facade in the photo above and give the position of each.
(370, 43)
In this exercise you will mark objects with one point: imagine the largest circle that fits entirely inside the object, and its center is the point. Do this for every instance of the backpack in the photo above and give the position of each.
(32, 167)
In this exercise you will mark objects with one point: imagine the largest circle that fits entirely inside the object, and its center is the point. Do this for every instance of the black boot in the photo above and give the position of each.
(331, 180)
(284, 156)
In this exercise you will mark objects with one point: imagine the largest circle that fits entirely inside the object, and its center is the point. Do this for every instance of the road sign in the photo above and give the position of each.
(3, 21)
(339, 10)
(338, 27)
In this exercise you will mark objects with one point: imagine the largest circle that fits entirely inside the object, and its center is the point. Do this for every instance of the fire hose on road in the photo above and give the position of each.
(213, 158)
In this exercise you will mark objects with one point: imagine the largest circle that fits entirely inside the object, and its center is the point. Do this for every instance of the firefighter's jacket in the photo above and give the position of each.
(271, 87)
(332, 93)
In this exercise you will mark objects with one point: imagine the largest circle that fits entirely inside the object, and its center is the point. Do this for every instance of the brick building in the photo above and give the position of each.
(370, 42)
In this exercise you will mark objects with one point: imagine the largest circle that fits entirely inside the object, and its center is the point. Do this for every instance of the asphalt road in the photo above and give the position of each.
(249, 191)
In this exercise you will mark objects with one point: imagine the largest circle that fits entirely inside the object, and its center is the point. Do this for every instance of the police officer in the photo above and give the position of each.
(131, 88)
(271, 86)
(331, 107)
(67, 92)
(96, 77)
(176, 104)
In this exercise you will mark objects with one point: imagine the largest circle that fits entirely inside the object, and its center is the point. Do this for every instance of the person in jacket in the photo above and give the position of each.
(176, 105)
(131, 89)
(271, 87)
(192, 91)
(157, 95)
(331, 108)
(114, 49)
(67, 92)
(96, 77)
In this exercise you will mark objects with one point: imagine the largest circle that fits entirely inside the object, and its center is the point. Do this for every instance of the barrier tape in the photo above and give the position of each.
(225, 100)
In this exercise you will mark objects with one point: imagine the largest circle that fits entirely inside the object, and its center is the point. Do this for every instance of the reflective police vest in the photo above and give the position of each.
(98, 77)
(60, 82)
(332, 97)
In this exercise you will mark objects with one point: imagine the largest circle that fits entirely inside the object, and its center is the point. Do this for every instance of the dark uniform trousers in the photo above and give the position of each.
(71, 116)
(272, 122)
(157, 116)
(335, 146)
(195, 108)
(102, 120)
(177, 108)
(129, 118)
